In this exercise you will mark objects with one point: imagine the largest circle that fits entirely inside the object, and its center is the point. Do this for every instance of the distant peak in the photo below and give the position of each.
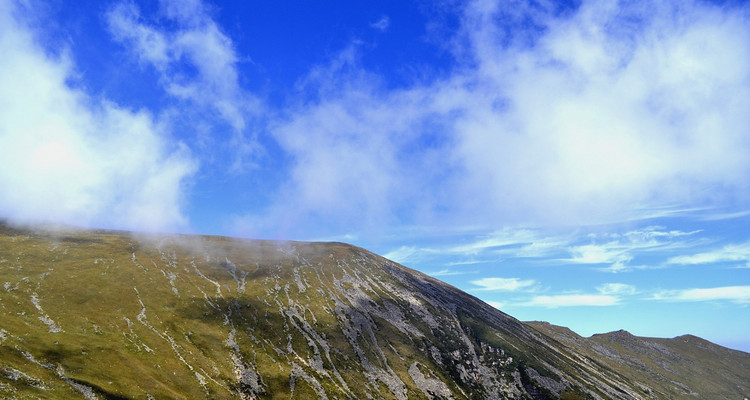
(621, 333)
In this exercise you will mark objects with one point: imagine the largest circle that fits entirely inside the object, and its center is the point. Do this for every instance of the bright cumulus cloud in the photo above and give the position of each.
(71, 158)
(553, 143)
(615, 107)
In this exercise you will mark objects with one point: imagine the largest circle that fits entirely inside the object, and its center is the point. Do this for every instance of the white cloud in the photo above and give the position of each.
(401, 254)
(496, 304)
(504, 284)
(619, 249)
(616, 289)
(730, 253)
(599, 254)
(719, 216)
(606, 251)
(735, 294)
(573, 300)
(600, 119)
(382, 24)
(444, 272)
(196, 62)
(506, 242)
(609, 294)
(502, 238)
(600, 115)
(69, 158)
(351, 164)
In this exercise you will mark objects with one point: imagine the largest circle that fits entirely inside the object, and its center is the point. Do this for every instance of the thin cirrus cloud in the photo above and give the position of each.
(504, 284)
(614, 294)
(506, 242)
(617, 289)
(613, 251)
(617, 250)
(519, 238)
(73, 159)
(732, 253)
(608, 294)
(734, 294)
(445, 272)
(572, 300)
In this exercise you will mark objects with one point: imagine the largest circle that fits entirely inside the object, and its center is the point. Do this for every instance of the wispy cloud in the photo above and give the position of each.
(608, 294)
(611, 294)
(719, 216)
(508, 242)
(445, 272)
(496, 304)
(616, 289)
(195, 60)
(617, 250)
(401, 254)
(69, 157)
(735, 294)
(503, 238)
(600, 254)
(382, 24)
(573, 300)
(733, 253)
(504, 284)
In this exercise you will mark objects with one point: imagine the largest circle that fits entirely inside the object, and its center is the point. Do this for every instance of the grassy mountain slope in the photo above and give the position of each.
(111, 315)
(682, 367)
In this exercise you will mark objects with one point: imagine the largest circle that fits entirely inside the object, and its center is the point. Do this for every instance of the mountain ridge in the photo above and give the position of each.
(109, 314)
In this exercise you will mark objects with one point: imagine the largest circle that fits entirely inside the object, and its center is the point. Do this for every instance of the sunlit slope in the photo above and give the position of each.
(111, 315)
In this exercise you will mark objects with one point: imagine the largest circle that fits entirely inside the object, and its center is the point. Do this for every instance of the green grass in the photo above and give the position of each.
(88, 284)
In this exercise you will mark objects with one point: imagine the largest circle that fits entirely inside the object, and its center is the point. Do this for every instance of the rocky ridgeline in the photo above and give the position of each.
(110, 315)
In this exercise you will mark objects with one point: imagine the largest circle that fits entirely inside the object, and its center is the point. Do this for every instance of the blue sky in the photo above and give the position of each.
(583, 163)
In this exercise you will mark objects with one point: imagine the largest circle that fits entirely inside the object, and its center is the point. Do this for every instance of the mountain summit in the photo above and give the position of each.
(111, 315)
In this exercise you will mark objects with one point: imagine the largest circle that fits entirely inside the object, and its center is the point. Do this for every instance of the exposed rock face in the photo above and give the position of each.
(106, 315)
